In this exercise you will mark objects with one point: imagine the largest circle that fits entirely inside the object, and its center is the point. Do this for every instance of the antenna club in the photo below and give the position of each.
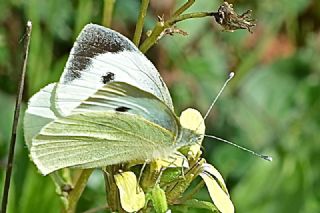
(29, 23)
(268, 158)
(231, 75)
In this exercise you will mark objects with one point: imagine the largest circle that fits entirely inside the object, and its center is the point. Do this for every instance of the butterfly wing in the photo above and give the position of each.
(96, 139)
(101, 55)
(40, 112)
(119, 123)
(123, 97)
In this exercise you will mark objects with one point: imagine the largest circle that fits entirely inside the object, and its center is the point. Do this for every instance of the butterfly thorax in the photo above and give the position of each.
(188, 137)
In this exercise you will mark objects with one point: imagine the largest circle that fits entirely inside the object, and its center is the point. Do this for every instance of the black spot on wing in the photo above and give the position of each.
(92, 41)
(122, 109)
(109, 76)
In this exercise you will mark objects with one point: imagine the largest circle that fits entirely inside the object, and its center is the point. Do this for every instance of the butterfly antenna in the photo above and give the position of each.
(216, 98)
(265, 157)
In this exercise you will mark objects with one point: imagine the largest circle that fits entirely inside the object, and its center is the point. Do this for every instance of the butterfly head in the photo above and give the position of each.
(193, 127)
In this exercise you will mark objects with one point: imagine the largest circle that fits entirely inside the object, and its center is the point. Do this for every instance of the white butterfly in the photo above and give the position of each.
(109, 106)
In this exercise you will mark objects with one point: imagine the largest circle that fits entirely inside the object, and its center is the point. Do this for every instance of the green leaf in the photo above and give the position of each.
(196, 204)
(159, 199)
(171, 174)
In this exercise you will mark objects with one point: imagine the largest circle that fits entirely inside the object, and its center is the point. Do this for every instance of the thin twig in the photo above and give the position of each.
(183, 8)
(97, 209)
(15, 120)
(194, 191)
(107, 12)
(153, 38)
(163, 25)
(189, 16)
(225, 16)
(140, 22)
(174, 191)
(112, 192)
(76, 192)
(160, 27)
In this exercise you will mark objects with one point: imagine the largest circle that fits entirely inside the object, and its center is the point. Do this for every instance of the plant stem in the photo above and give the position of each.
(174, 191)
(107, 12)
(192, 193)
(58, 181)
(76, 192)
(15, 120)
(140, 22)
(97, 209)
(183, 8)
(173, 21)
(161, 26)
(112, 192)
(153, 38)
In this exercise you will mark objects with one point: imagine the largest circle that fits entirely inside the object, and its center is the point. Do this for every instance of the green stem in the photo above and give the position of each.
(192, 193)
(60, 183)
(112, 192)
(183, 8)
(161, 26)
(107, 12)
(173, 21)
(74, 195)
(153, 38)
(97, 209)
(140, 22)
(12, 145)
(174, 191)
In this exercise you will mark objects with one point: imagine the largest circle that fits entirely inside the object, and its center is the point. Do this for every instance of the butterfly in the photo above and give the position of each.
(110, 106)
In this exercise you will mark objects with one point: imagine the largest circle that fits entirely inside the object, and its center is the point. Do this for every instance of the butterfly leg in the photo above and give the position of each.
(159, 177)
(141, 172)
(182, 166)
(182, 169)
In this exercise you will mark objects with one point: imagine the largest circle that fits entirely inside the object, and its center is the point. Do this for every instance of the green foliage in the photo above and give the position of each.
(195, 204)
(158, 199)
(272, 104)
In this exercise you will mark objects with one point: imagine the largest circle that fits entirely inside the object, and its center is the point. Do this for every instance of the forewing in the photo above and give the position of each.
(97, 139)
(101, 55)
(123, 97)
(39, 112)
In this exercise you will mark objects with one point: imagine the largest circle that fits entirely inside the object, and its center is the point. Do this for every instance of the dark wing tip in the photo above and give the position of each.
(94, 40)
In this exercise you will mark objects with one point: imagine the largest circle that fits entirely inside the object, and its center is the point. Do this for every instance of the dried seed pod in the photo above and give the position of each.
(231, 21)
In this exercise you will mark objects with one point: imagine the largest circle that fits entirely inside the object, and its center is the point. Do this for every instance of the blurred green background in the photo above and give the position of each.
(271, 106)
